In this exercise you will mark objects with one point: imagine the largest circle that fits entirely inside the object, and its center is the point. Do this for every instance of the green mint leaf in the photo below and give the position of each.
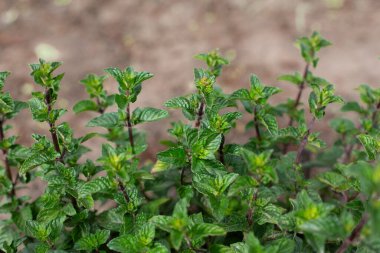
(199, 231)
(106, 120)
(92, 241)
(148, 114)
(371, 145)
(85, 105)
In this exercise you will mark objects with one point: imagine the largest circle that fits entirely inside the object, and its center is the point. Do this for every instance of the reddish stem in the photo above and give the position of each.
(300, 91)
(6, 162)
(183, 175)
(257, 127)
(130, 130)
(297, 102)
(124, 191)
(221, 152)
(53, 131)
(101, 109)
(374, 115)
(200, 114)
(304, 141)
(354, 234)
(251, 209)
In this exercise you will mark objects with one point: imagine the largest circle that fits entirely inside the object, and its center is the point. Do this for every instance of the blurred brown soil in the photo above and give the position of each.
(162, 36)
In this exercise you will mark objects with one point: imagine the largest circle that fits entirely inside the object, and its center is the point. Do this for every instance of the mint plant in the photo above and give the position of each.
(283, 190)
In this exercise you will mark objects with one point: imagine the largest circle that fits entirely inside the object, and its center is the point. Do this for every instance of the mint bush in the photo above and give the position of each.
(284, 190)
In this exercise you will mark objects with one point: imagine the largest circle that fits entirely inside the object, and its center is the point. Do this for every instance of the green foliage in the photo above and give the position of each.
(309, 47)
(92, 241)
(283, 190)
(214, 61)
(107, 120)
(321, 96)
(142, 115)
(371, 145)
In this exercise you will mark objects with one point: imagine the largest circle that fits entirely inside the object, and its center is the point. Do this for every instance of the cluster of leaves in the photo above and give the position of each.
(284, 190)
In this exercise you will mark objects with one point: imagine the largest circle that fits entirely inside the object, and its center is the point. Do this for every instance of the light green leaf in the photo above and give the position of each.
(39, 109)
(175, 156)
(95, 185)
(92, 241)
(85, 105)
(121, 101)
(241, 94)
(134, 242)
(124, 243)
(178, 102)
(148, 114)
(334, 180)
(213, 185)
(282, 245)
(199, 231)
(371, 145)
(253, 244)
(107, 120)
(352, 107)
(146, 233)
(3, 76)
(213, 143)
(37, 230)
(34, 161)
(342, 126)
(158, 248)
(296, 78)
(18, 106)
(6, 103)
(117, 74)
(270, 123)
(163, 222)
(176, 239)
(87, 201)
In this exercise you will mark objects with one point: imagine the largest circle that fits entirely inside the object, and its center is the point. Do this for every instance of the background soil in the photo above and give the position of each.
(162, 36)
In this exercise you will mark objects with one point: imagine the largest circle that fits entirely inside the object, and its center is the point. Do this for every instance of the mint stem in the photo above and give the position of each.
(297, 102)
(100, 106)
(251, 208)
(354, 234)
(300, 91)
(257, 127)
(53, 132)
(130, 130)
(374, 115)
(303, 143)
(183, 175)
(6, 162)
(200, 114)
(221, 152)
(124, 191)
